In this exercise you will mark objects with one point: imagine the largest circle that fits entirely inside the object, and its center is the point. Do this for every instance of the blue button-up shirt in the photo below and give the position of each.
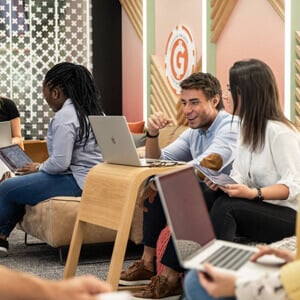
(195, 144)
(66, 154)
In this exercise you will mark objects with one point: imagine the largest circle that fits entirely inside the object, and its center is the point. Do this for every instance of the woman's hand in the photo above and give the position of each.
(217, 283)
(28, 168)
(239, 191)
(210, 184)
(285, 254)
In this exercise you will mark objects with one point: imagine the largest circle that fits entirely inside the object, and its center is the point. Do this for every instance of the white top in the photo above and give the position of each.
(265, 287)
(277, 163)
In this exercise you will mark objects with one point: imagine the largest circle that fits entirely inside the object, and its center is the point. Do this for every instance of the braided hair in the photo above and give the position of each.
(77, 83)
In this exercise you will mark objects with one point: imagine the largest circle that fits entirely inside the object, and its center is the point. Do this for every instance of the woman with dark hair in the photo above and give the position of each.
(263, 205)
(9, 112)
(70, 92)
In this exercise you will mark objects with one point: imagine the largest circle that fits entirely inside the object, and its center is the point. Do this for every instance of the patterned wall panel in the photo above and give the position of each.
(134, 10)
(297, 78)
(35, 35)
(162, 97)
(278, 5)
(221, 11)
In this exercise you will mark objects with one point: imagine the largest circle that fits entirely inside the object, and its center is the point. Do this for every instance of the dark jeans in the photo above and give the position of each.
(231, 217)
(155, 221)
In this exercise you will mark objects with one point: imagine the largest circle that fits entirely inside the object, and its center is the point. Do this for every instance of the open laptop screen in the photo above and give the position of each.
(5, 134)
(186, 211)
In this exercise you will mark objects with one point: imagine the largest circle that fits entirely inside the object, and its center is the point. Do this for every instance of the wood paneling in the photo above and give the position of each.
(134, 10)
(221, 11)
(297, 80)
(278, 5)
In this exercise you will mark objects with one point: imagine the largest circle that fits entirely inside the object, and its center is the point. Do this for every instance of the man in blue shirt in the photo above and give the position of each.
(210, 142)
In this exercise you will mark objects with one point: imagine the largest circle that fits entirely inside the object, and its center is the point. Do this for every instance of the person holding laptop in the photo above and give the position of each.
(9, 112)
(210, 141)
(70, 91)
(217, 284)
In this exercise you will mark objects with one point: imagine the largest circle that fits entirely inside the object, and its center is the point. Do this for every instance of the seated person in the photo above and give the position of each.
(218, 284)
(262, 206)
(211, 141)
(9, 112)
(71, 93)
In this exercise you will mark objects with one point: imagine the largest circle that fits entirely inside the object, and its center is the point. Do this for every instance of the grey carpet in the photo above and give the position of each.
(43, 260)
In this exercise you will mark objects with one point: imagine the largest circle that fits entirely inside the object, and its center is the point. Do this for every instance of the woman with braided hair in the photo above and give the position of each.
(70, 92)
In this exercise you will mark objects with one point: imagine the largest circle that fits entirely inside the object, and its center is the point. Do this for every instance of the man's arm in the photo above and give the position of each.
(156, 122)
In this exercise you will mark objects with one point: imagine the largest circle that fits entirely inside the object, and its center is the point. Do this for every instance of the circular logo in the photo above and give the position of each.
(180, 56)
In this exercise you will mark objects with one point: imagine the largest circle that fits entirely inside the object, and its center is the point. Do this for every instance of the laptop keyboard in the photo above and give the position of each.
(228, 257)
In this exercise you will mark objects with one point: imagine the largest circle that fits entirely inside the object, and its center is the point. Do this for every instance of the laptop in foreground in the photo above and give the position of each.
(5, 133)
(192, 230)
(116, 142)
(13, 157)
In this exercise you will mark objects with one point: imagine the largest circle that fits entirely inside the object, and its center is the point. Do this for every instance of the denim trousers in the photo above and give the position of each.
(193, 289)
(31, 189)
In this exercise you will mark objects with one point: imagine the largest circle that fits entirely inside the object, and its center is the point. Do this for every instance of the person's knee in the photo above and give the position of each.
(191, 284)
(221, 205)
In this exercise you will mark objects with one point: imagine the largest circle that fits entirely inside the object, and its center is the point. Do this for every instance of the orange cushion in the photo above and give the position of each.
(136, 127)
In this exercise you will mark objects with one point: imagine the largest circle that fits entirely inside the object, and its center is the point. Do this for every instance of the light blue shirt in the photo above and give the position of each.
(195, 144)
(66, 154)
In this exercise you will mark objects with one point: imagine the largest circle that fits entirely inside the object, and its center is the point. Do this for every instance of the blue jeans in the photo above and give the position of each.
(193, 289)
(31, 189)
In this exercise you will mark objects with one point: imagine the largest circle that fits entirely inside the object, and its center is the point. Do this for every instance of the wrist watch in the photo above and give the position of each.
(259, 196)
(148, 135)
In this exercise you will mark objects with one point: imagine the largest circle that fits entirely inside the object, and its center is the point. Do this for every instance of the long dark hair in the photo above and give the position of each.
(255, 96)
(77, 83)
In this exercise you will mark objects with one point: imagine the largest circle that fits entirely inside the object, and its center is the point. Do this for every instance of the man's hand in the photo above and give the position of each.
(78, 288)
(217, 283)
(149, 192)
(156, 122)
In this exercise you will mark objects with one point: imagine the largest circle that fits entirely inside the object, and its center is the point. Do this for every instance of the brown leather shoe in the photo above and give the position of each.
(161, 288)
(136, 274)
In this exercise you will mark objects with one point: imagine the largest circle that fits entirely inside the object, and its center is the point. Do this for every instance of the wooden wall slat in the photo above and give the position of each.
(221, 11)
(134, 10)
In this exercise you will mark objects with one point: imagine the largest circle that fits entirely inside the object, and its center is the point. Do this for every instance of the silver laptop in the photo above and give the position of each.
(116, 142)
(13, 157)
(5, 134)
(192, 230)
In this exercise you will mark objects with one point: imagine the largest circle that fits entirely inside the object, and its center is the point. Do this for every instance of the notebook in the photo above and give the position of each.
(5, 133)
(13, 157)
(221, 179)
(192, 230)
(117, 145)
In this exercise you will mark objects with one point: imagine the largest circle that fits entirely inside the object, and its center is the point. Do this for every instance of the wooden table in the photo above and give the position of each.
(108, 199)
